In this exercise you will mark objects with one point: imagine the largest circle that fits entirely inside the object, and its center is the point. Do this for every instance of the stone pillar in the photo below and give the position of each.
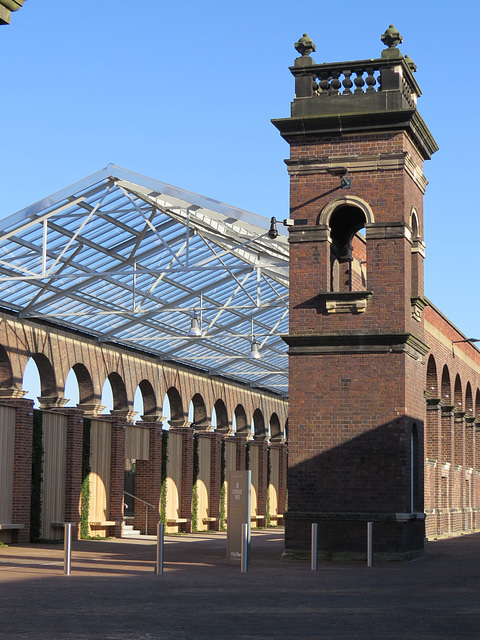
(148, 478)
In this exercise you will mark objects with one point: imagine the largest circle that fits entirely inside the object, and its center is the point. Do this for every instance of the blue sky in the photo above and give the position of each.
(184, 92)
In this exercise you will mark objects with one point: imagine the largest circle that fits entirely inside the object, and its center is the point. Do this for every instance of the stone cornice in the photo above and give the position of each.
(311, 233)
(360, 163)
(357, 343)
(6, 8)
(408, 120)
(383, 230)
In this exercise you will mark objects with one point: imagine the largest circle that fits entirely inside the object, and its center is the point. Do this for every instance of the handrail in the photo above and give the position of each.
(146, 509)
(137, 498)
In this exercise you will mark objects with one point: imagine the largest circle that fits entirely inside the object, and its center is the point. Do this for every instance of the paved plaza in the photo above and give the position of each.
(113, 593)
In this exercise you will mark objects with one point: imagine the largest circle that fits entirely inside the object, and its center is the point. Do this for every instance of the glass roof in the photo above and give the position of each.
(133, 261)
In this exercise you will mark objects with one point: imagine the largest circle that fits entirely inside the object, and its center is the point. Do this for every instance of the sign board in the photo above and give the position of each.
(238, 513)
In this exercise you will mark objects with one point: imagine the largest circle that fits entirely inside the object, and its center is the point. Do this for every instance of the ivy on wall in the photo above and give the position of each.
(85, 495)
(269, 468)
(163, 485)
(247, 456)
(223, 487)
(196, 470)
(37, 475)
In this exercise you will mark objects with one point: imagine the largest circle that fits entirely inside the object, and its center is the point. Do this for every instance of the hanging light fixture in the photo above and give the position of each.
(254, 348)
(194, 330)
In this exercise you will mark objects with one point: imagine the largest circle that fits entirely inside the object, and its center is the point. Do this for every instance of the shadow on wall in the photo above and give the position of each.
(373, 476)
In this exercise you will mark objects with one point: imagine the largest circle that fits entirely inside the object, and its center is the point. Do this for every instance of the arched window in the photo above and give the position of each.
(347, 250)
(345, 218)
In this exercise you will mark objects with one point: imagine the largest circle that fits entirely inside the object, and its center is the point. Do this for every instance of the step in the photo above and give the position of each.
(128, 530)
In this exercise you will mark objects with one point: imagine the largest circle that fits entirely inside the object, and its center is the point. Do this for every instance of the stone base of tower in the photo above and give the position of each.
(343, 536)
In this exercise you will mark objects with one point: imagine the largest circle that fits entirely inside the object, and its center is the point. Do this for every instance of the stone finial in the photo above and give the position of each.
(391, 38)
(305, 45)
(410, 63)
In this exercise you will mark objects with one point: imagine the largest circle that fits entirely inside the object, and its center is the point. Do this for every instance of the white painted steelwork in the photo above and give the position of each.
(132, 261)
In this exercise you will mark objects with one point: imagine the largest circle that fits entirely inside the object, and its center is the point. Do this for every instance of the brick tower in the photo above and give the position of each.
(356, 338)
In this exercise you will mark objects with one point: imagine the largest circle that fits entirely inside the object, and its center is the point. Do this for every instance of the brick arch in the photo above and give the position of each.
(200, 418)
(148, 396)
(432, 377)
(119, 392)
(345, 217)
(259, 429)
(446, 390)
(177, 413)
(469, 399)
(222, 416)
(86, 394)
(6, 372)
(458, 394)
(275, 429)
(48, 384)
(241, 419)
(346, 201)
(415, 224)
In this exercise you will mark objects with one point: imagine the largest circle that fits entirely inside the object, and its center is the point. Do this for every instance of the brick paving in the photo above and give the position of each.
(113, 593)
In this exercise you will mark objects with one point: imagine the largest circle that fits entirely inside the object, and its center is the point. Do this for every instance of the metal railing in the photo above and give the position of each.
(147, 504)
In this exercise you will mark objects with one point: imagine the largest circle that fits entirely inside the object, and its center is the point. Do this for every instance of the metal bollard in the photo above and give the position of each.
(313, 562)
(67, 549)
(244, 549)
(160, 537)
(369, 544)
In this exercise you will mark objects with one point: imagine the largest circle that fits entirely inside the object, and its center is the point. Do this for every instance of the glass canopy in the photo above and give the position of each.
(137, 262)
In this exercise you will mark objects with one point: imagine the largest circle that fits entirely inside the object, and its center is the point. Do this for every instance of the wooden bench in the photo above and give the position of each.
(277, 517)
(102, 524)
(14, 528)
(209, 519)
(171, 522)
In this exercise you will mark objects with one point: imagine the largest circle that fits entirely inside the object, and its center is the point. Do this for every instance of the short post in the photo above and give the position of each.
(369, 544)
(67, 549)
(160, 536)
(313, 562)
(244, 549)
(146, 519)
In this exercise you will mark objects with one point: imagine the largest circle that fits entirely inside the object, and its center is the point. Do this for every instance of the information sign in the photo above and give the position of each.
(238, 513)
